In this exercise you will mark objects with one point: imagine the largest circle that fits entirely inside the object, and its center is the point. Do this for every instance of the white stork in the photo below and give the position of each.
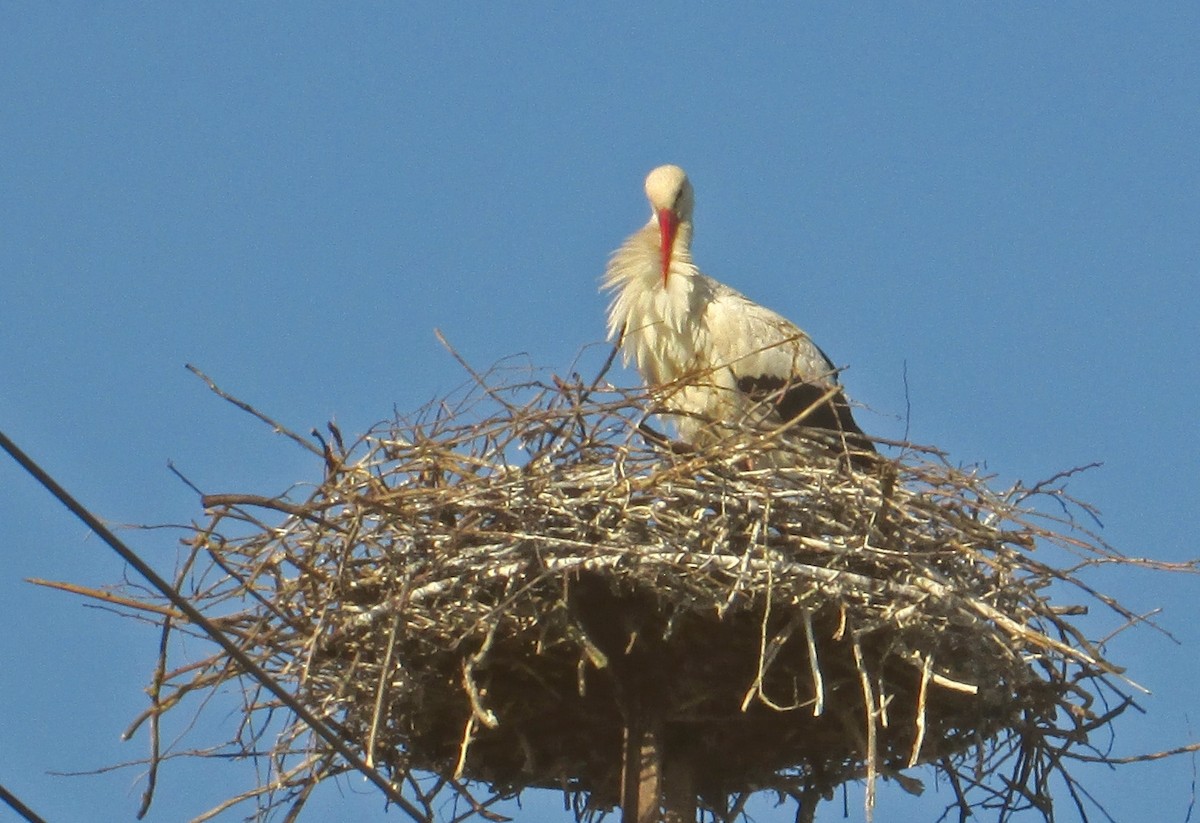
(715, 357)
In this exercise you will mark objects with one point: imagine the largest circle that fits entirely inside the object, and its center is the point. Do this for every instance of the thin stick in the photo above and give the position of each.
(106, 596)
(464, 746)
(155, 692)
(926, 670)
(246, 407)
(476, 376)
(384, 672)
(814, 665)
(871, 753)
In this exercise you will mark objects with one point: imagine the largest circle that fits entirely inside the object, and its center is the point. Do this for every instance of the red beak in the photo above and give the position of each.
(668, 224)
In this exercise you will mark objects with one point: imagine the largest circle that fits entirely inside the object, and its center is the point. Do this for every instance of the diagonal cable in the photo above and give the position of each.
(318, 726)
(14, 803)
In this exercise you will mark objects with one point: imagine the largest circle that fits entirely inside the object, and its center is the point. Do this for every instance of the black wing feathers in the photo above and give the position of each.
(791, 400)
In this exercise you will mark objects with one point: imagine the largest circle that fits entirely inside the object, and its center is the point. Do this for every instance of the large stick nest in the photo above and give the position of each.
(487, 590)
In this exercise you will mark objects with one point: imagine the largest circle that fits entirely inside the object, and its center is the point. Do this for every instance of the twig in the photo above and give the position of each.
(279, 428)
(872, 753)
(106, 597)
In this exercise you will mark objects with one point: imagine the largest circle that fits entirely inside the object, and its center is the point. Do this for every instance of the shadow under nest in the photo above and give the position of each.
(487, 591)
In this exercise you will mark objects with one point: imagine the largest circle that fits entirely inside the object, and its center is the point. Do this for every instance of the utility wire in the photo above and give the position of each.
(318, 726)
(16, 805)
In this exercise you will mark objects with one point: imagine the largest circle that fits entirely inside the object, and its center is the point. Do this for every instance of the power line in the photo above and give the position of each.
(318, 726)
(17, 806)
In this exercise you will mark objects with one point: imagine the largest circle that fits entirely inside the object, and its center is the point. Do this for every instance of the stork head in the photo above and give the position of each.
(671, 199)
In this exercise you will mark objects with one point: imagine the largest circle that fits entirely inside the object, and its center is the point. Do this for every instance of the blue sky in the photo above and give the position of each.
(997, 207)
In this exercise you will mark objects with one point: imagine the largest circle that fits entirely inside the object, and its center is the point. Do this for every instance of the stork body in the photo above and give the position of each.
(716, 357)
